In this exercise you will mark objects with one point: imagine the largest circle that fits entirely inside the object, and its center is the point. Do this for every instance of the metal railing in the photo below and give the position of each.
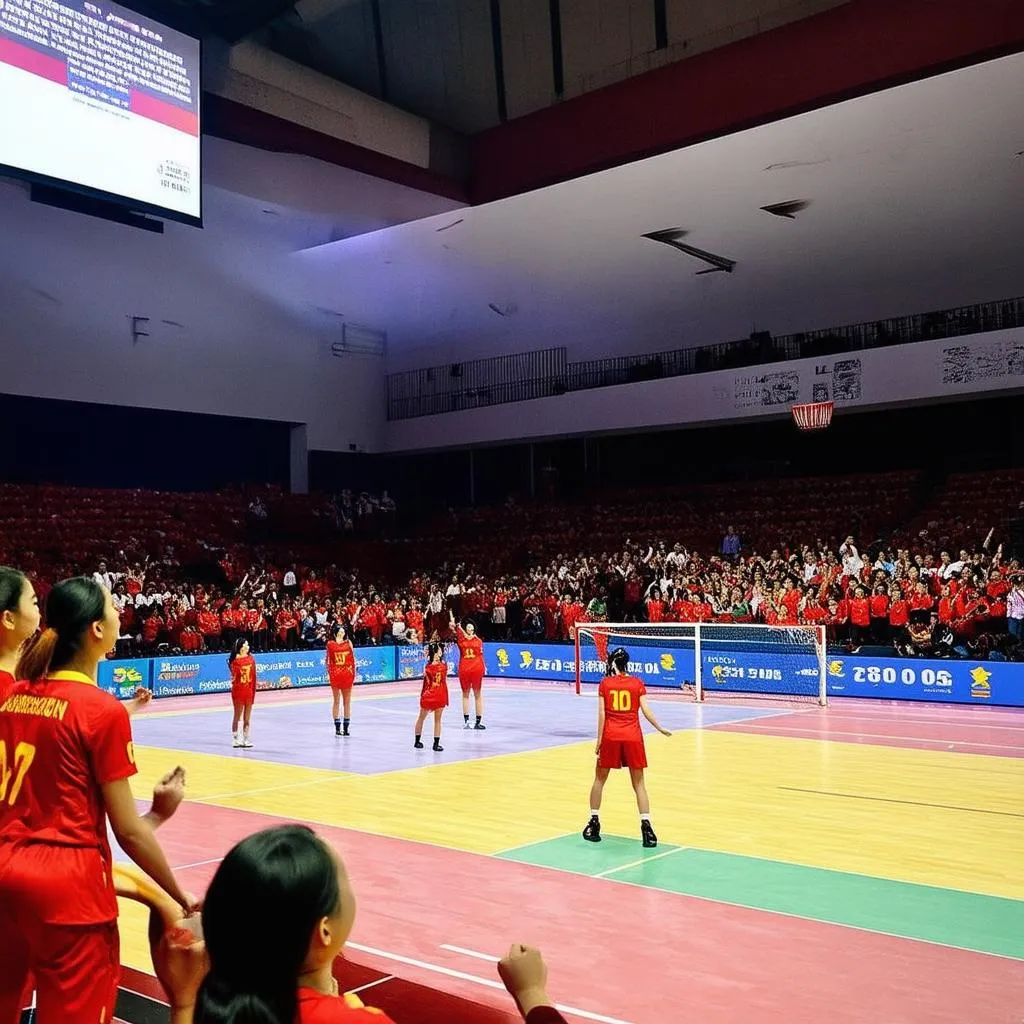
(547, 372)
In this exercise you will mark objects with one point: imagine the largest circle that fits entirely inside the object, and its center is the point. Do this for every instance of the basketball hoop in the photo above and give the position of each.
(813, 416)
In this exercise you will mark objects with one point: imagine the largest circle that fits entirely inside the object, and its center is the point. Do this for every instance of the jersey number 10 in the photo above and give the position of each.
(24, 754)
(622, 700)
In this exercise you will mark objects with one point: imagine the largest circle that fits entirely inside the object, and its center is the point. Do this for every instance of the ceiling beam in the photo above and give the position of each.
(237, 19)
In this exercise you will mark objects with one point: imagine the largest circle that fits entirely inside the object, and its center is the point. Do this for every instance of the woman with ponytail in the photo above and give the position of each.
(19, 621)
(66, 754)
(287, 893)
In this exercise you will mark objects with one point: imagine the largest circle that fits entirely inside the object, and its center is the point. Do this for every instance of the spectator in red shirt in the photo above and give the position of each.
(899, 615)
(655, 607)
(860, 617)
(880, 615)
(921, 604)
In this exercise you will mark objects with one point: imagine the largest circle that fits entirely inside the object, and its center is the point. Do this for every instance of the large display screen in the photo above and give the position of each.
(98, 97)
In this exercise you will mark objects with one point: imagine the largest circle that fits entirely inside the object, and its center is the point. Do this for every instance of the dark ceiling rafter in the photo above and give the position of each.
(231, 20)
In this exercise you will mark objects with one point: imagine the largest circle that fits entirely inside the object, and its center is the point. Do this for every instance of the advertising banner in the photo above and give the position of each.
(958, 682)
(657, 666)
(123, 678)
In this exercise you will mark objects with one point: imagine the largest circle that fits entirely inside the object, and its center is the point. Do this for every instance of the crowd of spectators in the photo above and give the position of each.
(188, 575)
(938, 603)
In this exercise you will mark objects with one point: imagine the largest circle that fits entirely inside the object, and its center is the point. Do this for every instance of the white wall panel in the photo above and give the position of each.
(932, 370)
(69, 284)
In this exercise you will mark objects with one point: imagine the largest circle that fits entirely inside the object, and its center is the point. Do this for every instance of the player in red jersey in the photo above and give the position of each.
(620, 742)
(341, 672)
(471, 669)
(434, 695)
(243, 691)
(19, 621)
(68, 755)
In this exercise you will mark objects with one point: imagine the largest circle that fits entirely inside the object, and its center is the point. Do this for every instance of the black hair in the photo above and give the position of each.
(12, 586)
(434, 648)
(236, 649)
(618, 659)
(263, 905)
(467, 623)
(72, 607)
(339, 627)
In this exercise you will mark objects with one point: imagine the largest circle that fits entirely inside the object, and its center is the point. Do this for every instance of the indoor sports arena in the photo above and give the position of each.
(511, 511)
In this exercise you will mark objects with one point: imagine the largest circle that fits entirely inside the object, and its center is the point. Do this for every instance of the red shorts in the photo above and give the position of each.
(471, 681)
(435, 699)
(243, 694)
(76, 969)
(342, 682)
(622, 754)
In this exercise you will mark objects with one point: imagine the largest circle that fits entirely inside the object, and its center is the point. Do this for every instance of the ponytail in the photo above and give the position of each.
(37, 657)
(72, 607)
(219, 1002)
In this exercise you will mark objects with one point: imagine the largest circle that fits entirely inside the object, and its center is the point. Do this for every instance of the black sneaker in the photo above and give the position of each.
(418, 744)
(480, 726)
(438, 749)
(337, 730)
(345, 732)
(650, 840)
(592, 833)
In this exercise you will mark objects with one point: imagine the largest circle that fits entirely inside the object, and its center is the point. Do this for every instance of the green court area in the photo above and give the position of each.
(948, 917)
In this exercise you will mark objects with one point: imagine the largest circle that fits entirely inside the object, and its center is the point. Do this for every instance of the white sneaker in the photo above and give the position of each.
(236, 741)
(245, 741)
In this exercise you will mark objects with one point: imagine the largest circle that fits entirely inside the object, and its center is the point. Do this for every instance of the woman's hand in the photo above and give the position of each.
(167, 796)
(179, 957)
(525, 975)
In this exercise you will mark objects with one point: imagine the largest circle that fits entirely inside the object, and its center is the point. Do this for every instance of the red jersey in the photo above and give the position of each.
(899, 612)
(63, 738)
(921, 603)
(434, 694)
(655, 611)
(621, 696)
(341, 663)
(860, 611)
(319, 1008)
(6, 682)
(879, 606)
(243, 672)
(471, 652)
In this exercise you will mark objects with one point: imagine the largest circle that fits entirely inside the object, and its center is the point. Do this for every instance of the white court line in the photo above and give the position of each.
(372, 984)
(532, 842)
(829, 734)
(469, 952)
(572, 1011)
(638, 863)
(197, 864)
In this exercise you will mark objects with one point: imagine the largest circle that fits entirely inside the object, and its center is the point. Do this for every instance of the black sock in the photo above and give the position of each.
(337, 723)
(418, 737)
(478, 717)
(466, 717)
(437, 742)
(346, 723)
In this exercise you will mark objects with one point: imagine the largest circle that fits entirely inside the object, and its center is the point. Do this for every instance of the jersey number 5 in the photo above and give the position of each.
(24, 755)
(622, 700)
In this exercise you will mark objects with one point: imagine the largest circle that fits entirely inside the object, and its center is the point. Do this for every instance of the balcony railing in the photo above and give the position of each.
(547, 372)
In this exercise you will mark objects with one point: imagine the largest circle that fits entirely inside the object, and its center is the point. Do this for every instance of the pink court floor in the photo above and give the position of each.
(632, 936)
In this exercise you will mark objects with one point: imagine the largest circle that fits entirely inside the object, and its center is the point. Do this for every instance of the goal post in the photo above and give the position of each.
(713, 658)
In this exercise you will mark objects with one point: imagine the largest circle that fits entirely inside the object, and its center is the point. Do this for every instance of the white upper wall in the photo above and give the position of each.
(931, 370)
(69, 284)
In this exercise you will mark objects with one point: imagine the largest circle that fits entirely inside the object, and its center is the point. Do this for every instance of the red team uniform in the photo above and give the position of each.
(318, 1008)
(61, 740)
(471, 660)
(435, 687)
(243, 680)
(6, 684)
(341, 665)
(622, 742)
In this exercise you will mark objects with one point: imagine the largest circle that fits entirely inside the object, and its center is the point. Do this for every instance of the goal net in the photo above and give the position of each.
(714, 659)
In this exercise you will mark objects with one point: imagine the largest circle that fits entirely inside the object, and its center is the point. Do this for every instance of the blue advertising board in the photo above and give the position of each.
(123, 678)
(658, 666)
(209, 673)
(743, 669)
(956, 682)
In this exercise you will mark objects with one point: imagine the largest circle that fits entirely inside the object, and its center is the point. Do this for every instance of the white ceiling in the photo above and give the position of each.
(916, 202)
